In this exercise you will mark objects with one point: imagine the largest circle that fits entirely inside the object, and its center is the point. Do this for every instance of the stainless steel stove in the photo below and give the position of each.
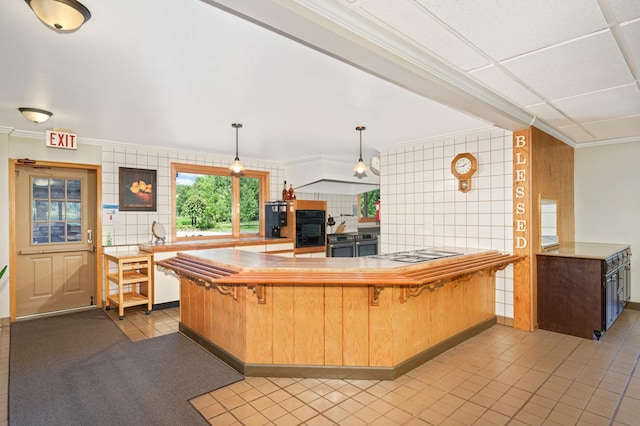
(417, 256)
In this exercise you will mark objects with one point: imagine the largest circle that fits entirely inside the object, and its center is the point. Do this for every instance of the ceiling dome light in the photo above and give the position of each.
(236, 166)
(35, 115)
(61, 15)
(360, 169)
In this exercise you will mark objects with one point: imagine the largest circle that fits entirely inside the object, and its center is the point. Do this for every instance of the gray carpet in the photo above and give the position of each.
(80, 369)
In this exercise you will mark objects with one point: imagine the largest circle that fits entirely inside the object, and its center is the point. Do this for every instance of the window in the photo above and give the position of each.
(55, 210)
(210, 202)
(367, 203)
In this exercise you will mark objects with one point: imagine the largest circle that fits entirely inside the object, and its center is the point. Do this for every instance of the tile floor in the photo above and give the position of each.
(502, 376)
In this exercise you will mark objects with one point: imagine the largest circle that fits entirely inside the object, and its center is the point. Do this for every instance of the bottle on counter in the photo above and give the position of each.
(290, 193)
(285, 193)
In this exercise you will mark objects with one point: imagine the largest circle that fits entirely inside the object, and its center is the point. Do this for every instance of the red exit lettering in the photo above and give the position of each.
(61, 140)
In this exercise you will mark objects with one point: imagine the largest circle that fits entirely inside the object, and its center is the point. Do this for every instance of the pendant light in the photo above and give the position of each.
(236, 166)
(61, 15)
(35, 115)
(360, 169)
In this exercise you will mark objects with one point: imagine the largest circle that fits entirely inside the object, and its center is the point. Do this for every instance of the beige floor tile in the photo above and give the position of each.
(629, 411)
(503, 376)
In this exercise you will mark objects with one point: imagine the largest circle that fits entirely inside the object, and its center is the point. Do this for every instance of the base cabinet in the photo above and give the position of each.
(582, 289)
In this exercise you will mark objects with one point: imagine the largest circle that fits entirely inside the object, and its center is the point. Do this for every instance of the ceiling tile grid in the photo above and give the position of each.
(412, 21)
(523, 26)
(580, 66)
(559, 61)
(160, 72)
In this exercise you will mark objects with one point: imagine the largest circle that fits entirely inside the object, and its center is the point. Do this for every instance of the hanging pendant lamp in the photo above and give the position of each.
(360, 169)
(236, 166)
(61, 15)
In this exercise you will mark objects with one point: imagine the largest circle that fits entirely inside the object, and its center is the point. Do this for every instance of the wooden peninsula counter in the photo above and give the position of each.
(364, 318)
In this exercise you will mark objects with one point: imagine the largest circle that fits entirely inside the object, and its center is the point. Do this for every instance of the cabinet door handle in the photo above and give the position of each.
(89, 236)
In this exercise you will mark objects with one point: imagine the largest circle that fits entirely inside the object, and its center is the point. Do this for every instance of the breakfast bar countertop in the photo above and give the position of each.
(237, 266)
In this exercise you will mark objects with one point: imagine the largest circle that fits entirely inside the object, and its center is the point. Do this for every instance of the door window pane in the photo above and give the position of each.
(73, 189)
(56, 211)
(40, 233)
(74, 231)
(73, 211)
(57, 189)
(57, 232)
(40, 188)
(40, 210)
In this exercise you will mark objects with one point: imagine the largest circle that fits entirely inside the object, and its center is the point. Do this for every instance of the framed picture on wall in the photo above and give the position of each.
(137, 190)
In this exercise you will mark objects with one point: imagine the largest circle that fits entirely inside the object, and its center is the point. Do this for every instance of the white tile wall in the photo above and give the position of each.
(132, 228)
(422, 207)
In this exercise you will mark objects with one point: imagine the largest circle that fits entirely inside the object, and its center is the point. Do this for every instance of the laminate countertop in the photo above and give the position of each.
(585, 250)
(211, 244)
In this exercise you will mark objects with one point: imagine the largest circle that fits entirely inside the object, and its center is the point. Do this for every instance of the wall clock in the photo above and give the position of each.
(375, 165)
(463, 167)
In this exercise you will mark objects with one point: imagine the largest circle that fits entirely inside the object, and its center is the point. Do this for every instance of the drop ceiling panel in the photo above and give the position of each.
(620, 128)
(577, 134)
(625, 9)
(498, 80)
(414, 23)
(584, 65)
(621, 101)
(507, 28)
(631, 32)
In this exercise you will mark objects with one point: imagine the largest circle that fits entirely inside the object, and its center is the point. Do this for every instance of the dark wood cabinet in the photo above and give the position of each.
(582, 287)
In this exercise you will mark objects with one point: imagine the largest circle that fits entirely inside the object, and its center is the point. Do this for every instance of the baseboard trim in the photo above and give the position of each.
(166, 305)
(634, 306)
(336, 372)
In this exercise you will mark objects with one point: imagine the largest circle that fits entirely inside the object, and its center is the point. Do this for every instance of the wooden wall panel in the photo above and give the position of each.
(399, 326)
(441, 308)
(228, 319)
(381, 331)
(355, 325)
(419, 322)
(259, 336)
(543, 167)
(308, 325)
(333, 333)
(335, 325)
(282, 325)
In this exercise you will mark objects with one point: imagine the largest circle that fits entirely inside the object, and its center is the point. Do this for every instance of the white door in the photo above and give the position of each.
(55, 248)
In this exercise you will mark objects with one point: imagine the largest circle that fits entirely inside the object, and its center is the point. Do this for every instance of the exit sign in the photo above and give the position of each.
(60, 139)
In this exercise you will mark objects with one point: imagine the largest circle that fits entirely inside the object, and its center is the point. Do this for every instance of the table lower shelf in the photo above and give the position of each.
(128, 299)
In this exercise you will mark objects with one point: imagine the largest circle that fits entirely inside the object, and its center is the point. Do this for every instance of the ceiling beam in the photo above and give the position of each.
(336, 31)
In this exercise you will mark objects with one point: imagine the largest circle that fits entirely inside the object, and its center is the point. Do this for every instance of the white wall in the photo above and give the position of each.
(4, 224)
(422, 207)
(607, 199)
